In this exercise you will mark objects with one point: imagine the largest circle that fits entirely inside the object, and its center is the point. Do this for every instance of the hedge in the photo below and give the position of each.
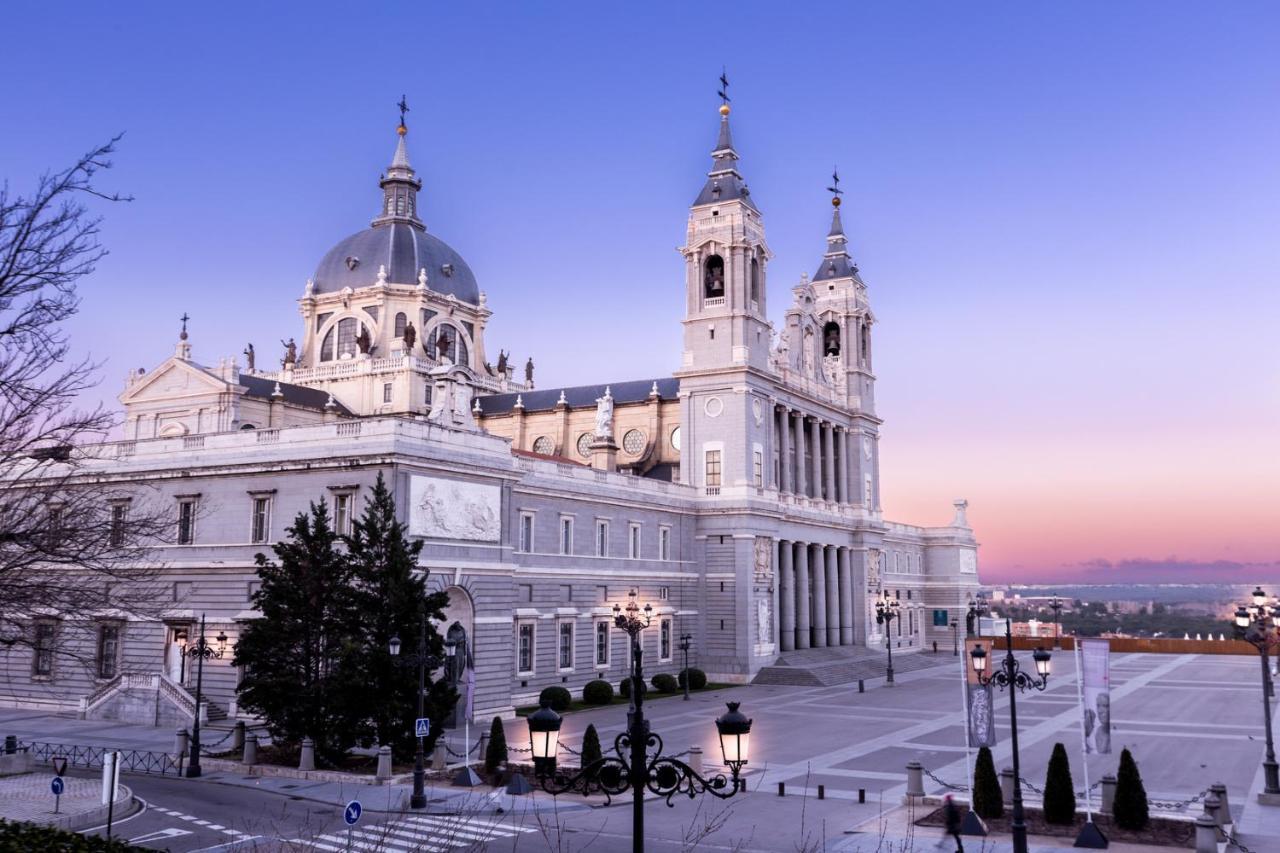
(665, 683)
(597, 692)
(697, 678)
(559, 697)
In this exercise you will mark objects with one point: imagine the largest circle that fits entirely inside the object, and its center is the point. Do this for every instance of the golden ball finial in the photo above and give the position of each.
(835, 202)
(724, 109)
(402, 130)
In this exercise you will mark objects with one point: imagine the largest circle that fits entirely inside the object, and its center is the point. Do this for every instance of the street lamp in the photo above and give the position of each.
(1010, 675)
(886, 611)
(955, 638)
(1259, 625)
(631, 766)
(977, 607)
(201, 651)
(423, 661)
(1056, 606)
(685, 640)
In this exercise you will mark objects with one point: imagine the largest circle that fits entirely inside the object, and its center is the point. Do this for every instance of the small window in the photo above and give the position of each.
(526, 532)
(633, 442)
(758, 469)
(566, 535)
(42, 650)
(386, 392)
(675, 439)
(634, 542)
(664, 640)
(260, 528)
(524, 648)
(584, 445)
(342, 513)
(664, 593)
(566, 645)
(401, 322)
(119, 516)
(186, 521)
(755, 280)
(602, 538)
(544, 445)
(602, 644)
(664, 543)
(108, 650)
(713, 468)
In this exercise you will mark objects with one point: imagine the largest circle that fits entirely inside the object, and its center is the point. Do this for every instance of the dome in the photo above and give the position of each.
(404, 250)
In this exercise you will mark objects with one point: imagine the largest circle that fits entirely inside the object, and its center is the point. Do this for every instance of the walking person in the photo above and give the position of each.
(951, 813)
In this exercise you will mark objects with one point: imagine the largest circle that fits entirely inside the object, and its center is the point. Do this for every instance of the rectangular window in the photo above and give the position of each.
(664, 592)
(186, 521)
(261, 524)
(868, 495)
(566, 645)
(386, 392)
(342, 513)
(664, 543)
(758, 472)
(602, 644)
(526, 532)
(634, 542)
(524, 648)
(119, 514)
(664, 640)
(566, 535)
(42, 650)
(108, 650)
(713, 468)
(602, 538)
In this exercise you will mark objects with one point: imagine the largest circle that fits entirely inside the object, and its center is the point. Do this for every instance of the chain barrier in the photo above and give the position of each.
(1090, 790)
(1178, 805)
(1030, 787)
(457, 754)
(929, 773)
(1232, 841)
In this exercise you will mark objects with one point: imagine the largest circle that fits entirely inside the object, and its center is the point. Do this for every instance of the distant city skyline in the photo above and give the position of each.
(1066, 218)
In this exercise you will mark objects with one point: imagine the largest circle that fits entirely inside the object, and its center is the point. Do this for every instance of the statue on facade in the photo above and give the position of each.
(364, 341)
(528, 370)
(290, 352)
(502, 363)
(604, 414)
(410, 336)
(249, 357)
(873, 570)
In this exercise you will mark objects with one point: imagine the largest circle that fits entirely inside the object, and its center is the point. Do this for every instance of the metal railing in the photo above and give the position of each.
(91, 757)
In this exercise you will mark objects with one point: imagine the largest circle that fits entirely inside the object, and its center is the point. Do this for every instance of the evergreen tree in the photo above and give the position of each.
(1130, 806)
(1059, 793)
(293, 657)
(590, 746)
(988, 801)
(394, 602)
(495, 755)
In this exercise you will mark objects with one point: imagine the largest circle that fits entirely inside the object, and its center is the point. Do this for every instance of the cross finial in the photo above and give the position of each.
(724, 87)
(404, 108)
(834, 189)
(184, 318)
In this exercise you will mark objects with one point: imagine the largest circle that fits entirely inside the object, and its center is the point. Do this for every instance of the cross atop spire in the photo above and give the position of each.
(184, 318)
(400, 184)
(836, 263)
(834, 189)
(724, 181)
(404, 108)
(724, 91)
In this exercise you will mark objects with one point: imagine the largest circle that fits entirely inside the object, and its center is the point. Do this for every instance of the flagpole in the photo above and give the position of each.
(964, 703)
(1084, 740)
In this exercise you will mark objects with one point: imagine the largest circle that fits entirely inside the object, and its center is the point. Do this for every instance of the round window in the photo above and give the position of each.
(633, 442)
(584, 444)
(543, 444)
(675, 438)
(713, 407)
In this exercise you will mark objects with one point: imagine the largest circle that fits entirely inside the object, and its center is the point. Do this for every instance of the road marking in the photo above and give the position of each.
(430, 833)
(159, 835)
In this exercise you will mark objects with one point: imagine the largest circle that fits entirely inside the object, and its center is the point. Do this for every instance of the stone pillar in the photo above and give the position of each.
(1006, 786)
(250, 751)
(846, 598)
(787, 593)
(438, 757)
(829, 460)
(833, 598)
(308, 759)
(237, 737)
(695, 759)
(1219, 790)
(1213, 809)
(815, 458)
(1108, 794)
(784, 449)
(803, 623)
(820, 610)
(843, 475)
(1206, 834)
(384, 763)
(802, 476)
(915, 780)
(180, 744)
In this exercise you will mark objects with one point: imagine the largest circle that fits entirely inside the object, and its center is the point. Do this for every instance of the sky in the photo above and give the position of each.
(1067, 215)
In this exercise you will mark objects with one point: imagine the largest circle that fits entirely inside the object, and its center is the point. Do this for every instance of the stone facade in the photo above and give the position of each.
(741, 496)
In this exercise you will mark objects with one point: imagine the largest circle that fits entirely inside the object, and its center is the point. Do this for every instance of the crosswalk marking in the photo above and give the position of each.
(429, 833)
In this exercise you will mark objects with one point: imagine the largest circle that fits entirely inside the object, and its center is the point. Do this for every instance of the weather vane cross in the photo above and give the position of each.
(184, 318)
(724, 86)
(404, 108)
(834, 189)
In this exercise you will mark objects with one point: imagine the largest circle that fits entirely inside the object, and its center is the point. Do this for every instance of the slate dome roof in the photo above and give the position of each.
(404, 250)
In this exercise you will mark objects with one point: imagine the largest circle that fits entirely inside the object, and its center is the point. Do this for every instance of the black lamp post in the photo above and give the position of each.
(685, 640)
(1259, 624)
(1010, 675)
(1056, 606)
(201, 651)
(631, 767)
(977, 608)
(886, 611)
(423, 661)
(955, 638)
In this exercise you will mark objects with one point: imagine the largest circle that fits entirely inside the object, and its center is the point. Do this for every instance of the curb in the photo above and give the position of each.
(126, 805)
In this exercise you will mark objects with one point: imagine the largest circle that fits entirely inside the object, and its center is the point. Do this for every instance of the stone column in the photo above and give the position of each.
(802, 476)
(833, 597)
(843, 476)
(787, 593)
(815, 439)
(820, 609)
(829, 458)
(784, 449)
(802, 596)
(846, 598)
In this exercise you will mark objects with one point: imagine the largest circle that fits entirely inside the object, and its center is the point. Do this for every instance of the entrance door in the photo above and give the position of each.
(175, 658)
(456, 639)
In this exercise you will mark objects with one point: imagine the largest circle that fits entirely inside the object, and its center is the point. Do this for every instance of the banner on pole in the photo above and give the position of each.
(1095, 677)
(980, 699)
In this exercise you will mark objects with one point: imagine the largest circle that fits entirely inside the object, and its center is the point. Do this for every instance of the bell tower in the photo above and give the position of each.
(725, 256)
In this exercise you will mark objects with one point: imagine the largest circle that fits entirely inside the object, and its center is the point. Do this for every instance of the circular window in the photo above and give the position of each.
(713, 407)
(543, 444)
(584, 444)
(675, 438)
(633, 442)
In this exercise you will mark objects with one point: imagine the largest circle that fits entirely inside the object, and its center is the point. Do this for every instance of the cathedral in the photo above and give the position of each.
(739, 496)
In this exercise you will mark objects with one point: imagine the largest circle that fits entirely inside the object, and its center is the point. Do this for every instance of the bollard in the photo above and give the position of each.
(822, 792)
(862, 795)
(1006, 786)
(308, 759)
(237, 737)
(1108, 794)
(782, 789)
(1206, 834)
(438, 756)
(384, 764)
(1213, 809)
(1219, 790)
(180, 744)
(10, 744)
(915, 780)
(695, 759)
(250, 751)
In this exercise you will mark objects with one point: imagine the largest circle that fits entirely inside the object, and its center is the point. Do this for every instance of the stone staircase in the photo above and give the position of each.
(148, 699)
(829, 667)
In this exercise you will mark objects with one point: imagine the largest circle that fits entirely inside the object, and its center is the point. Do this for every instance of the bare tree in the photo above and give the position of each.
(73, 533)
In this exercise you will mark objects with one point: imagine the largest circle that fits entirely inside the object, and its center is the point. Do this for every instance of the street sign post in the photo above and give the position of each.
(422, 727)
(57, 786)
(351, 814)
(59, 765)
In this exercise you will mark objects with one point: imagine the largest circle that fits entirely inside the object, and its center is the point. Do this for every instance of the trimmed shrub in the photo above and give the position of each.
(495, 755)
(1059, 793)
(697, 678)
(597, 692)
(665, 683)
(1130, 808)
(559, 697)
(591, 745)
(988, 801)
(624, 689)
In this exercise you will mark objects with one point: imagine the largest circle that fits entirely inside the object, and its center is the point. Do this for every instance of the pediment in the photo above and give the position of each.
(172, 379)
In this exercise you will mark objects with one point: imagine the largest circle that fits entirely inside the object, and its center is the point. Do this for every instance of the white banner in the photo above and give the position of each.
(1095, 676)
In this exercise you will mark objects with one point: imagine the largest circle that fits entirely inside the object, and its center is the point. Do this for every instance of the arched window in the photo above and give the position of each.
(713, 278)
(348, 328)
(401, 321)
(865, 344)
(399, 204)
(831, 338)
(755, 280)
(326, 348)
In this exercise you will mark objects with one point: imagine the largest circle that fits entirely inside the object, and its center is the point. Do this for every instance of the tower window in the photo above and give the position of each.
(831, 338)
(713, 278)
(401, 322)
(755, 280)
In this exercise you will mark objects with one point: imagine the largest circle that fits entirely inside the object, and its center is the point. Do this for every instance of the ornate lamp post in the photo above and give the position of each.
(1010, 675)
(1056, 606)
(685, 640)
(886, 611)
(631, 767)
(424, 662)
(977, 608)
(201, 651)
(1259, 624)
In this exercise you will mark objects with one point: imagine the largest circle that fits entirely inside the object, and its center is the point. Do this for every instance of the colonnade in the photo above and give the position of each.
(814, 457)
(816, 595)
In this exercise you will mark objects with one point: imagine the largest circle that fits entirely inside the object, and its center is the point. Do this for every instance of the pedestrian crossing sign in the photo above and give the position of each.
(422, 728)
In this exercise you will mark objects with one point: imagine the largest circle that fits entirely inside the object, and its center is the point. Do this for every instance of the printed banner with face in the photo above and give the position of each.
(981, 699)
(1095, 675)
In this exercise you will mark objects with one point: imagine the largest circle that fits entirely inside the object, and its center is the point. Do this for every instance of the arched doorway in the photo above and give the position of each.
(457, 628)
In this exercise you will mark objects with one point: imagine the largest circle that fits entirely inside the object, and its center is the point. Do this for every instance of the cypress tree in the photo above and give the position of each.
(495, 755)
(988, 801)
(590, 746)
(1059, 793)
(1130, 808)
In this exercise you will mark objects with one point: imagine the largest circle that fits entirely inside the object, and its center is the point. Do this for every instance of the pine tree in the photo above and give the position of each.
(1129, 808)
(394, 602)
(495, 755)
(293, 657)
(988, 801)
(590, 746)
(1059, 793)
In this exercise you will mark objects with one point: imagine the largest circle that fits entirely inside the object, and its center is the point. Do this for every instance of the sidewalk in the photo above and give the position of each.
(27, 797)
(42, 726)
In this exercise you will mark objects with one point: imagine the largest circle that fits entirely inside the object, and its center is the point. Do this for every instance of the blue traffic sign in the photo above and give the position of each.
(422, 727)
(352, 812)
(57, 786)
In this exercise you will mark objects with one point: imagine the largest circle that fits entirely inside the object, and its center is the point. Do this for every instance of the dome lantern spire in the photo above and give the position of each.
(400, 184)
(724, 181)
(836, 263)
